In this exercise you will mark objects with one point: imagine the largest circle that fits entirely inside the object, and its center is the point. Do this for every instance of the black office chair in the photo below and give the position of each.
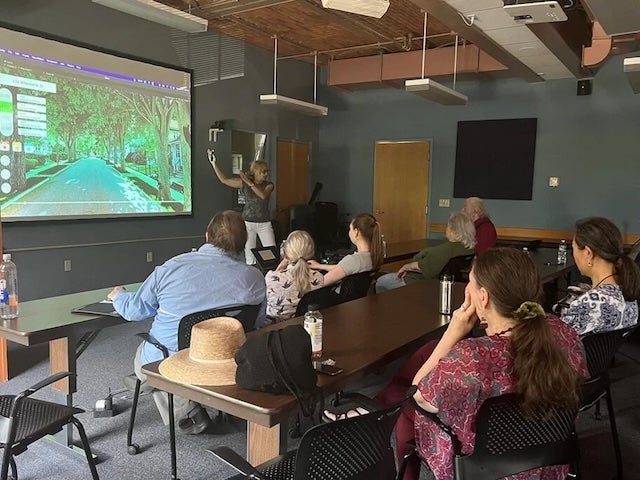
(508, 442)
(355, 286)
(24, 420)
(246, 314)
(458, 267)
(600, 349)
(357, 448)
(323, 297)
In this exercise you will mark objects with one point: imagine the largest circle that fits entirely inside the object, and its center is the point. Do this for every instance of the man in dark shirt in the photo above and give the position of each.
(486, 235)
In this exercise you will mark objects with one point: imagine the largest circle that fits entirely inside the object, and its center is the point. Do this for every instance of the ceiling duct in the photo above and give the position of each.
(617, 17)
(158, 13)
(632, 69)
(368, 8)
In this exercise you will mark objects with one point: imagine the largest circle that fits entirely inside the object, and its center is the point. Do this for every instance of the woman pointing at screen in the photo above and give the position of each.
(256, 190)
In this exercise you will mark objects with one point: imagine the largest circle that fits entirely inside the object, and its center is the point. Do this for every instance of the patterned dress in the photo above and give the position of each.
(601, 309)
(283, 296)
(474, 370)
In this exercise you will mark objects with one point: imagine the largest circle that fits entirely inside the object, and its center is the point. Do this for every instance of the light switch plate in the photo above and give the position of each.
(443, 202)
(554, 181)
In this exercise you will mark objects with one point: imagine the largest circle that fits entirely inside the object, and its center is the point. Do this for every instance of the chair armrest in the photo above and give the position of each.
(150, 339)
(234, 460)
(43, 383)
(455, 442)
(34, 388)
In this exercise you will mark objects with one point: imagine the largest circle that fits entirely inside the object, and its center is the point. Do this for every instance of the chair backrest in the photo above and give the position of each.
(508, 442)
(356, 285)
(246, 314)
(600, 348)
(357, 448)
(456, 265)
(323, 297)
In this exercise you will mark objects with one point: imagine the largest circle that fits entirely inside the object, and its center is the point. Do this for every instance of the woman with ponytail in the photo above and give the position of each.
(612, 301)
(364, 233)
(539, 358)
(293, 277)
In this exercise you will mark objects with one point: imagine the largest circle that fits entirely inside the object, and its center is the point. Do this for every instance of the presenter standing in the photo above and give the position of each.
(256, 190)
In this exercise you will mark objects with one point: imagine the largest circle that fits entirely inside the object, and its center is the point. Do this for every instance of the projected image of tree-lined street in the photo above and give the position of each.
(69, 148)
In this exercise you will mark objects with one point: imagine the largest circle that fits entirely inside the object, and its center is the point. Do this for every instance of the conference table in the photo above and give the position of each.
(68, 334)
(361, 336)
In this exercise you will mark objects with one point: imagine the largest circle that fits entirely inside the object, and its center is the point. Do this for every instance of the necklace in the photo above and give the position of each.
(503, 332)
(598, 284)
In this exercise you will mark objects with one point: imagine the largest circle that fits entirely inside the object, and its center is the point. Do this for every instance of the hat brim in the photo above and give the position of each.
(183, 369)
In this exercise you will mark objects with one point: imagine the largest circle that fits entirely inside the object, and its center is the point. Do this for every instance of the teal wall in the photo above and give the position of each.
(590, 142)
(111, 252)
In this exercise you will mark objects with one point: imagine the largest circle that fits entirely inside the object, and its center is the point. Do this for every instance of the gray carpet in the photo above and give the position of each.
(108, 359)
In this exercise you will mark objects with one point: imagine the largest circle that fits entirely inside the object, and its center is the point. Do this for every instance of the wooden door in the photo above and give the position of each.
(400, 193)
(292, 179)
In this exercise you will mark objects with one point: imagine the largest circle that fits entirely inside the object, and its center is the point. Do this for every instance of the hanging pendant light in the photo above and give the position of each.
(293, 104)
(429, 88)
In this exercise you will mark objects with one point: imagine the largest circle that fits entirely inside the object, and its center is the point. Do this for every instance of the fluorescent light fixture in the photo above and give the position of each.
(369, 8)
(434, 91)
(536, 12)
(293, 104)
(632, 69)
(158, 13)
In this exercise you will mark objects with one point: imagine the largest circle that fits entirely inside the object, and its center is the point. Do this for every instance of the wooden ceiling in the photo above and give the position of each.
(304, 26)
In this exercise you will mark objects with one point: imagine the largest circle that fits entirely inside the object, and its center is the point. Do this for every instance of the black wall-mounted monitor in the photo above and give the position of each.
(495, 159)
(90, 134)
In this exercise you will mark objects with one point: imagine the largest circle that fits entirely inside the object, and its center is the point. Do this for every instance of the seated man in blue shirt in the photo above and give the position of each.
(215, 276)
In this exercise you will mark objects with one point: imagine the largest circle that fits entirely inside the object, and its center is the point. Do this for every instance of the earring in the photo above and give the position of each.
(483, 323)
(590, 263)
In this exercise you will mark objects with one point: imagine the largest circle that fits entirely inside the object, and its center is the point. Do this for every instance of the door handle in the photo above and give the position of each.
(379, 212)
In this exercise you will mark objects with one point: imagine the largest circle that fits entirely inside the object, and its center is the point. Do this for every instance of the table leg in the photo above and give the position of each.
(264, 443)
(62, 358)
(4, 360)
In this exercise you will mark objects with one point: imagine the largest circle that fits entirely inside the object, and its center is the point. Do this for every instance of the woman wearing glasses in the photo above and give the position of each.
(256, 190)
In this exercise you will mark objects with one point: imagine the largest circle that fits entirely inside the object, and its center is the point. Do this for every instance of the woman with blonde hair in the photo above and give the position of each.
(293, 277)
(256, 190)
(364, 233)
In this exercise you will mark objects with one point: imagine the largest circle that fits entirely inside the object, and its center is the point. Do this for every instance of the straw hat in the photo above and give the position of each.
(210, 359)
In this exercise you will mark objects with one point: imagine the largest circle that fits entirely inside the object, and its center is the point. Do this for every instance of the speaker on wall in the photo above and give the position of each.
(584, 87)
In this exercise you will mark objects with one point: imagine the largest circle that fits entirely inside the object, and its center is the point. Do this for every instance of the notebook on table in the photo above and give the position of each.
(98, 308)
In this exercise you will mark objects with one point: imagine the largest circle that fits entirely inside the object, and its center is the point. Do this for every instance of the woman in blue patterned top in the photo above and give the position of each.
(612, 302)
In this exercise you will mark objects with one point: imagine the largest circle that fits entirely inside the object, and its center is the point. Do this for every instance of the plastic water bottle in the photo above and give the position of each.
(562, 252)
(313, 326)
(446, 294)
(8, 288)
(384, 247)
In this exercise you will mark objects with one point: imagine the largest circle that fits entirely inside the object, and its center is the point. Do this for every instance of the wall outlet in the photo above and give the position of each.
(67, 265)
(554, 181)
(149, 257)
(443, 202)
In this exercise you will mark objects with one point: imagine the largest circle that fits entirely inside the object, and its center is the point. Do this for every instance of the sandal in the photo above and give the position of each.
(347, 411)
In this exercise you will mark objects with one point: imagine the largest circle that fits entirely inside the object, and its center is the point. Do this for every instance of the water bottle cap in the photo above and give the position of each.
(313, 307)
(447, 277)
(6, 257)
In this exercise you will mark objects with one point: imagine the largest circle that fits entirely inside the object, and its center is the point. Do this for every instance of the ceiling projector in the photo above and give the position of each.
(535, 12)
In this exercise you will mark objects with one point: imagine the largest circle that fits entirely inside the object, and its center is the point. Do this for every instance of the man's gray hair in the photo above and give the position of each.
(476, 205)
(462, 229)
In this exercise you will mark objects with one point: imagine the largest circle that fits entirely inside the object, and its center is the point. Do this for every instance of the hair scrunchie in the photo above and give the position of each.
(529, 311)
